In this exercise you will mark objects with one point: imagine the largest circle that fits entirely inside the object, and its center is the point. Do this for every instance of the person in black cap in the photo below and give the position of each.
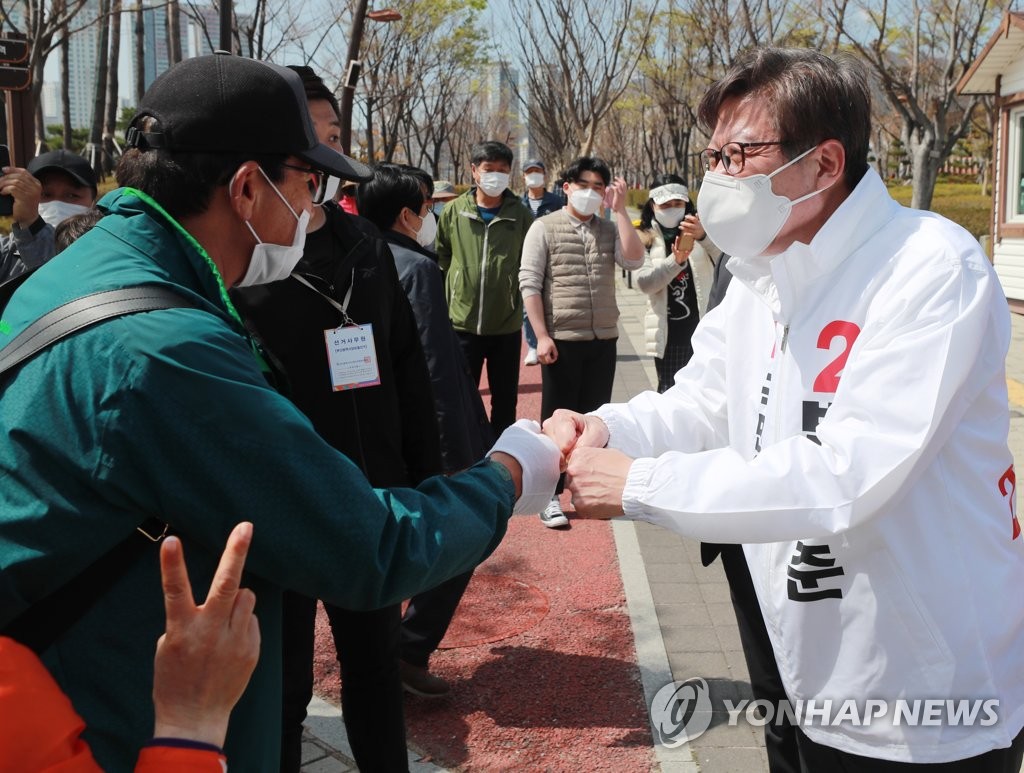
(169, 415)
(54, 186)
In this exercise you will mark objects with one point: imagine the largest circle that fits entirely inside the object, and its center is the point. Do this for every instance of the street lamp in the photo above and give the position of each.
(348, 91)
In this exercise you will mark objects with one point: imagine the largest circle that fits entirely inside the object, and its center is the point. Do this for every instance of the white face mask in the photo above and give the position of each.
(330, 189)
(742, 215)
(671, 217)
(428, 230)
(273, 262)
(534, 180)
(56, 212)
(493, 183)
(586, 201)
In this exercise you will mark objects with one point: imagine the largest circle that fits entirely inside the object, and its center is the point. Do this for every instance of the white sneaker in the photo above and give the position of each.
(531, 357)
(553, 517)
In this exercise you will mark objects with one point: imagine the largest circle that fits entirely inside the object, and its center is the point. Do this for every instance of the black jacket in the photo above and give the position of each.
(390, 430)
(465, 431)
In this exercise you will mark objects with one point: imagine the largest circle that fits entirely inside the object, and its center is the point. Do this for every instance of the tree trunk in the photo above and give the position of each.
(926, 171)
(110, 124)
(173, 33)
(99, 100)
(140, 52)
(37, 99)
(369, 132)
(65, 90)
(587, 146)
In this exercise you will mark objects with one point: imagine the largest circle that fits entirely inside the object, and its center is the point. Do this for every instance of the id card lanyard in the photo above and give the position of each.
(351, 354)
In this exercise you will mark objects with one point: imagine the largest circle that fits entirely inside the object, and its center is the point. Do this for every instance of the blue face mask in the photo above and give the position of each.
(438, 206)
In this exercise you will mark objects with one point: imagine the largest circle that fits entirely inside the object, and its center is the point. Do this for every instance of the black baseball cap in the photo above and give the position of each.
(532, 162)
(67, 162)
(222, 103)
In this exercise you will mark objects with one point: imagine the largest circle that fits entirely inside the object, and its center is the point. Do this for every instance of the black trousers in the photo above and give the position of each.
(367, 644)
(816, 758)
(676, 357)
(502, 355)
(780, 738)
(427, 618)
(580, 379)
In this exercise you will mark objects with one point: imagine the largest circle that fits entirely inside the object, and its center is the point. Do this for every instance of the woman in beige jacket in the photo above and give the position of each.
(677, 275)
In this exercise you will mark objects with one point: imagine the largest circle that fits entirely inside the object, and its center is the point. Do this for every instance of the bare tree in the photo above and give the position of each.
(65, 92)
(272, 28)
(582, 57)
(110, 116)
(418, 73)
(918, 50)
(140, 52)
(100, 93)
(173, 21)
(44, 23)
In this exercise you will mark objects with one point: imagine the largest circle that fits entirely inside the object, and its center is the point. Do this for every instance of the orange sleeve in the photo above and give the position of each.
(170, 759)
(40, 729)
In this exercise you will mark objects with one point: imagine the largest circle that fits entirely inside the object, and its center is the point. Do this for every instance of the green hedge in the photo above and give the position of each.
(961, 202)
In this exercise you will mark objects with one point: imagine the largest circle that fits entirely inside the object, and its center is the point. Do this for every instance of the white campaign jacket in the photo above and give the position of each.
(845, 415)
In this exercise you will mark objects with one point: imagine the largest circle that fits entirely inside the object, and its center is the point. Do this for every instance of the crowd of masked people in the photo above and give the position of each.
(318, 380)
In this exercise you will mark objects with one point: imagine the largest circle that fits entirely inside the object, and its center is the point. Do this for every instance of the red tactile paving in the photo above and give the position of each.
(555, 692)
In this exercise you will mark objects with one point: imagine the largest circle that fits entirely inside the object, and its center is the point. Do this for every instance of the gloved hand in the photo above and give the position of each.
(540, 459)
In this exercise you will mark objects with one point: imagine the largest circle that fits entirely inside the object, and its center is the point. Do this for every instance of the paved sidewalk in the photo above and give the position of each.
(682, 618)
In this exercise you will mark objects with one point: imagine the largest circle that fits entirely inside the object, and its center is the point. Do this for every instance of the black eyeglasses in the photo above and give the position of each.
(732, 155)
(317, 180)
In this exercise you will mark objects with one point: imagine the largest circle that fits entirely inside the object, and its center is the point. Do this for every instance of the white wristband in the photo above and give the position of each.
(539, 457)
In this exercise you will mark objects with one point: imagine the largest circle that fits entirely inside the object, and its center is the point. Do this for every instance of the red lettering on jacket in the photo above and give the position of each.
(1008, 488)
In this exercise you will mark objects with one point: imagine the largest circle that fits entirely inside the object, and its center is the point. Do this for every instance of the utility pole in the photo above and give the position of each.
(225, 26)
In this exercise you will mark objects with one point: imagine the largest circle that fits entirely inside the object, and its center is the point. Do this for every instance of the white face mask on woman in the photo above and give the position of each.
(273, 262)
(743, 215)
(671, 217)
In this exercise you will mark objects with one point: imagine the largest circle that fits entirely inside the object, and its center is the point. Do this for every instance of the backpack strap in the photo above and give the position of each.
(48, 619)
(83, 312)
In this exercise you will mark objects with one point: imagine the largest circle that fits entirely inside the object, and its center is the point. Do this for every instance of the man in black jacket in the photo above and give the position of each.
(347, 277)
(398, 201)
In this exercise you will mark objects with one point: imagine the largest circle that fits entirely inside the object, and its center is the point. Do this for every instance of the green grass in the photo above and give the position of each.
(961, 202)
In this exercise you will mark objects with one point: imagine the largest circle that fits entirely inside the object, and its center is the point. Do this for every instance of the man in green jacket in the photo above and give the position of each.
(479, 243)
(168, 414)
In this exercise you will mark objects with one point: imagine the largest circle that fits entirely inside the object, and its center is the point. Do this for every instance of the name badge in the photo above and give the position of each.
(352, 357)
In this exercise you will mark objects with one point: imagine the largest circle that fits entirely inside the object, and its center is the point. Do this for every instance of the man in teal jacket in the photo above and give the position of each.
(479, 243)
(169, 414)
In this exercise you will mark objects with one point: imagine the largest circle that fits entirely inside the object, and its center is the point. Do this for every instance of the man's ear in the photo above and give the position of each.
(243, 193)
(831, 163)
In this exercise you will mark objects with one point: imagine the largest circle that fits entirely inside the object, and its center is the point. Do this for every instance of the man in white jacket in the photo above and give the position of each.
(845, 417)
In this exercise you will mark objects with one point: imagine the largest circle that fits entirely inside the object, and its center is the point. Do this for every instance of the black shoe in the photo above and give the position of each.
(419, 681)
